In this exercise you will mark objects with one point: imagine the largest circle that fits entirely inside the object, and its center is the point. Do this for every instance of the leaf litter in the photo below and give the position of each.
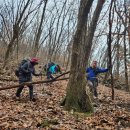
(47, 114)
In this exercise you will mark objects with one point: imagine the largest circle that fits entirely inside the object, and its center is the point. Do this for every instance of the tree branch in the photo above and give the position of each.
(30, 83)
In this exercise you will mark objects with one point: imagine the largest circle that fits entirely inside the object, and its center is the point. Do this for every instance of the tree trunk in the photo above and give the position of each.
(109, 47)
(16, 29)
(129, 30)
(8, 51)
(92, 27)
(39, 31)
(125, 55)
(76, 97)
(117, 51)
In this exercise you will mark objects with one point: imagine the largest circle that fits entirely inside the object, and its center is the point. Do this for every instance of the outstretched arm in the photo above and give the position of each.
(34, 73)
(102, 70)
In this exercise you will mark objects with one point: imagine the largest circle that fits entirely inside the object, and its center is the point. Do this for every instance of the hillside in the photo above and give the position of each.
(47, 114)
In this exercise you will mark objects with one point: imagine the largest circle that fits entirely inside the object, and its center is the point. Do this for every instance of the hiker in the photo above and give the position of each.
(51, 68)
(25, 75)
(92, 73)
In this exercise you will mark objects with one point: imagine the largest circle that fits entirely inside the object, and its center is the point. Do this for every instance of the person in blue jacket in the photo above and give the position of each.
(92, 73)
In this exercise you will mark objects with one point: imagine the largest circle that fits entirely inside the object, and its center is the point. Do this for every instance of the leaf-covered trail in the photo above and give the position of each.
(26, 114)
(34, 115)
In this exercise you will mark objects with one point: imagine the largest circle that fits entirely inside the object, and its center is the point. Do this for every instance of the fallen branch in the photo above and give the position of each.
(16, 80)
(61, 75)
(30, 83)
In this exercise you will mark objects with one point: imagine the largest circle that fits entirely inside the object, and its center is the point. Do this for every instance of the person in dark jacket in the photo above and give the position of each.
(92, 73)
(25, 75)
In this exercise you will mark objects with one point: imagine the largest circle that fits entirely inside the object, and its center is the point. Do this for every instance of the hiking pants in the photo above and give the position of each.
(19, 90)
(49, 75)
(93, 86)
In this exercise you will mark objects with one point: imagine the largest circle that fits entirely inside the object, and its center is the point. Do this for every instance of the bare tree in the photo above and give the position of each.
(80, 52)
(17, 24)
(39, 31)
(125, 55)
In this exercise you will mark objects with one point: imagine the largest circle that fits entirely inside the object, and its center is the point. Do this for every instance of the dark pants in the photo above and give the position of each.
(49, 75)
(19, 90)
(93, 86)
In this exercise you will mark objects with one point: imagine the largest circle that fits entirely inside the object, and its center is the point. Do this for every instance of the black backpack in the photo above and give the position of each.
(18, 69)
(47, 66)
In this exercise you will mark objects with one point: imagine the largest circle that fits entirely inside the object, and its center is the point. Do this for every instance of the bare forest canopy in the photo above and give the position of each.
(45, 28)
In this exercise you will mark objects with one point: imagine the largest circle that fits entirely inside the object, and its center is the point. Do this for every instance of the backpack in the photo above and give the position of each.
(58, 68)
(47, 66)
(22, 63)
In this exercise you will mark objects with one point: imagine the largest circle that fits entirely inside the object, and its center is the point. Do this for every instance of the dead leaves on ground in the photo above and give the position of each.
(108, 114)
(46, 113)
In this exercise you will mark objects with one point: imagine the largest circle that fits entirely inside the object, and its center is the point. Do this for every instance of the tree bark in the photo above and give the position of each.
(92, 27)
(39, 31)
(118, 51)
(125, 55)
(109, 47)
(76, 97)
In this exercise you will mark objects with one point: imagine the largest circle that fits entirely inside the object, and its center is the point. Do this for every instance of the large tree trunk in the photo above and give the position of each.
(11, 44)
(77, 98)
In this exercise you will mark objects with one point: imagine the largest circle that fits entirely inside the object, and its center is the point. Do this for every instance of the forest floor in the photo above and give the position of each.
(47, 114)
